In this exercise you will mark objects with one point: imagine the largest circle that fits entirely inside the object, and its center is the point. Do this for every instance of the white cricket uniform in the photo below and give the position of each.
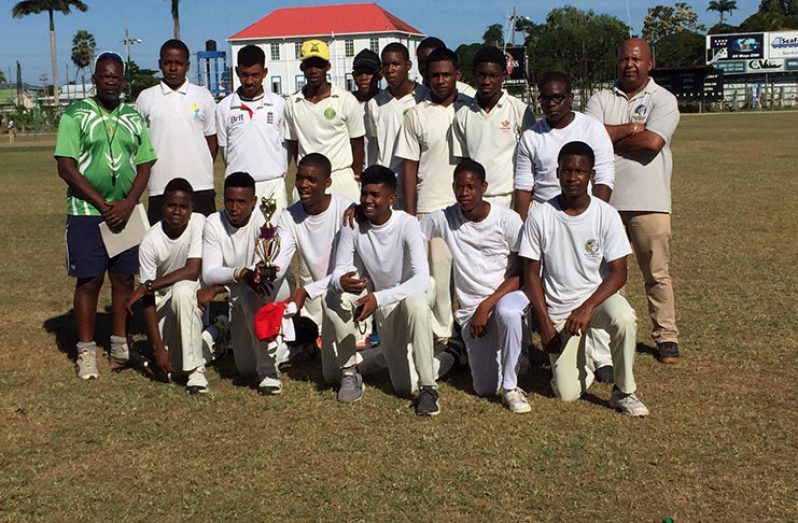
(179, 121)
(481, 254)
(426, 137)
(465, 89)
(572, 249)
(179, 315)
(369, 145)
(491, 138)
(393, 259)
(536, 165)
(250, 133)
(327, 127)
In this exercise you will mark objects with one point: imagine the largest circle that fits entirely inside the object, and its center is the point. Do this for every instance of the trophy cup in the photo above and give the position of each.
(267, 246)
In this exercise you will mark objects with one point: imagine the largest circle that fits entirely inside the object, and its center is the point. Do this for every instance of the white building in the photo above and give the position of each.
(346, 28)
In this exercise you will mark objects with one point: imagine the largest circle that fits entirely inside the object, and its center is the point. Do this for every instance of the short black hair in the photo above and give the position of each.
(178, 184)
(470, 166)
(444, 55)
(577, 149)
(239, 179)
(396, 47)
(556, 76)
(430, 42)
(490, 55)
(176, 44)
(378, 174)
(317, 160)
(250, 55)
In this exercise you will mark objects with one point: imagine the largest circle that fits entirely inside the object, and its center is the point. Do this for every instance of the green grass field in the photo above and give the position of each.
(721, 442)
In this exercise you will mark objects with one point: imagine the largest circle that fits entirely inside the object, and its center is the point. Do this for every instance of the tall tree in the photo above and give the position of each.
(2, 77)
(494, 35)
(722, 7)
(176, 17)
(34, 7)
(83, 47)
(664, 20)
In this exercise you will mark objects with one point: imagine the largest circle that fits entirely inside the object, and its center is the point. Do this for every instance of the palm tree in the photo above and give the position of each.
(83, 46)
(176, 17)
(34, 7)
(722, 7)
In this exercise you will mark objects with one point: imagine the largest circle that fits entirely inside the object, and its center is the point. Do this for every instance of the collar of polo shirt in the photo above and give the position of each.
(183, 89)
(650, 87)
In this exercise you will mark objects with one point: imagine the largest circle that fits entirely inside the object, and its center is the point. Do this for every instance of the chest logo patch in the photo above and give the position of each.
(329, 113)
(592, 248)
(195, 110)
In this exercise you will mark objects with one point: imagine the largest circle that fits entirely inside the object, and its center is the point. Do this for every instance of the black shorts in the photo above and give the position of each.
(204, 203)
(86, 254)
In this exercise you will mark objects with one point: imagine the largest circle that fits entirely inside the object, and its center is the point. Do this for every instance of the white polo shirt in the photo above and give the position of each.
(178, 121)
(492, 138)
(160, 255)
(251, 132)
(384, 117)
(426, 137)
(325, 127)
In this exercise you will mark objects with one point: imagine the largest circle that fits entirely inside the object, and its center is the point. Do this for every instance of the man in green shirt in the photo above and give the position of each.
(104, 155)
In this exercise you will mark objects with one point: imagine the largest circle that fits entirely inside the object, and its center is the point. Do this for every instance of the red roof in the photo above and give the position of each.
(325, 20)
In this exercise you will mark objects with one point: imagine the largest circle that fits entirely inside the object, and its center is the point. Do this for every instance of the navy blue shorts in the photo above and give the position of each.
(86, 254)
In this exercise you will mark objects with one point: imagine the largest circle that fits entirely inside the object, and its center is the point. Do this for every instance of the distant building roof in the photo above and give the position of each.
(325, 20)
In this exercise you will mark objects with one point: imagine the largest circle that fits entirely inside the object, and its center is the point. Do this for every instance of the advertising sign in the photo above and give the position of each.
(732, 67)
(516, 65)
(782, 44)
(765, 66)
(735, 47)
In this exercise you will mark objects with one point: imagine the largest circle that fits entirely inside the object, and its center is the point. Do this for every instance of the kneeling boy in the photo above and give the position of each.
(570, 236)
(483, 240)
(170, 259)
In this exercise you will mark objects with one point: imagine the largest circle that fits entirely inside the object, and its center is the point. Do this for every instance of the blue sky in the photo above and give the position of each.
(455, 21)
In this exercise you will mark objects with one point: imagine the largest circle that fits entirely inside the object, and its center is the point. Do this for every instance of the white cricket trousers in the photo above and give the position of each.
(405, 339)
(571, 373)
(252, 356)
(344, 183)
(180, 324)
(493, 358)
(440, 269)
(274, 188)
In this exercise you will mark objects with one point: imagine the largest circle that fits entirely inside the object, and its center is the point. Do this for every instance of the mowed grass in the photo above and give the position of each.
(720, 443)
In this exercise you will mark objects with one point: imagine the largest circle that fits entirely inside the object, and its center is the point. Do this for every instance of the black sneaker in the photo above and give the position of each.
(456, 347)
(668, 352)
(427, 402)
(605, 374)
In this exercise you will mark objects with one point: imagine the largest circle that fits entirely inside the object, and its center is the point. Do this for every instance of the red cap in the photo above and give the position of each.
(269, 320)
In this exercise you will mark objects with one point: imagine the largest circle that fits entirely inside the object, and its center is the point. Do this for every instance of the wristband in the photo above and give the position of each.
(148, 284)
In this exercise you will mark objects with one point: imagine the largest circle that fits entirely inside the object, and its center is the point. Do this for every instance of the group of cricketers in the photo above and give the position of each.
(440, 218)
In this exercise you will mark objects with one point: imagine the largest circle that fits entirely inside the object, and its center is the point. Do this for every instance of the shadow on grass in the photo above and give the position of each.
(643, 348)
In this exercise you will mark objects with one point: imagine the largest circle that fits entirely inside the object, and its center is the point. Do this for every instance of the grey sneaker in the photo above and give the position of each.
(120, 352)
(351, 388)
(628, 404)
(86, 363)
(270, 387)
(197, 382)
(427, 402)
(516, 401)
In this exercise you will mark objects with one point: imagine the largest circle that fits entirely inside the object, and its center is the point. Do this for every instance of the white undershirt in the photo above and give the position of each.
(226, 248)
(160, 255)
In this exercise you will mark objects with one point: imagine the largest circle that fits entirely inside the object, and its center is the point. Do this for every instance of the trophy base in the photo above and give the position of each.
(268, 273)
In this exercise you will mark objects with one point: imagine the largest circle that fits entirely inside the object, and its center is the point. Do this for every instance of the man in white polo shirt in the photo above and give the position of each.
(386, 111)
(180, 117)
(250, 126)
(423, 50)
(641, 117)
(323, 118)
(488, 130)
(425, 144)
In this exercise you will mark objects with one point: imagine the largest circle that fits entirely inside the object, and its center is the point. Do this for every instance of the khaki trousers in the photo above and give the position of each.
(571, 369)
(252, 356)
(650, 235)
(405, 339)
(180, 324)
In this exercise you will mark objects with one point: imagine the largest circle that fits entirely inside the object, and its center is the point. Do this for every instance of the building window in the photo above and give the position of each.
(297, 50)
(277, 85)
(275, 52)
(349, 47)
(350, 83)
(300, 81)
(374, 44)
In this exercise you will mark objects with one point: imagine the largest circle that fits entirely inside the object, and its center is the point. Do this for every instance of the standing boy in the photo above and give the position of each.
(170, 261)
(569, 238)
(182, 123)
(483, 239)
(366, 74)
(104, 155)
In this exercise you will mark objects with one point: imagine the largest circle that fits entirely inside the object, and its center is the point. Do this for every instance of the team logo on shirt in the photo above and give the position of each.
(640, 113)
(195, 110)
(270, 118)
(505, 126)
(592, 248)
(329, 113)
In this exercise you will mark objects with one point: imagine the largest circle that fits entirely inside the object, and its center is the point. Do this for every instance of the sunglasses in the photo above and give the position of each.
(110, 55)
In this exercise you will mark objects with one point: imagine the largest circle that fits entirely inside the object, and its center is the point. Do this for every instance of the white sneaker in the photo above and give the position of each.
(270, 387)
(516, 401)
(627, 403)
(120, 353)
(86, 364)
(197, 382)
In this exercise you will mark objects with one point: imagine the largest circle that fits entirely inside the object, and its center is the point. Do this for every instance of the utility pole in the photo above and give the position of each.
(512, 27)
(128, 41)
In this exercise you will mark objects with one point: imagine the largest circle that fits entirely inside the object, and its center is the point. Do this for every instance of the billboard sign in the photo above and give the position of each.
(516, 65)
(735, 47)
(732, 67)
(765, 66)
(782, 44)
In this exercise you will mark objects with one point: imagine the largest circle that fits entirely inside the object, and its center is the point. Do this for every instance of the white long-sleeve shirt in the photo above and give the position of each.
(313, 236)
(225, 247)
(536, 165)
(393, 255)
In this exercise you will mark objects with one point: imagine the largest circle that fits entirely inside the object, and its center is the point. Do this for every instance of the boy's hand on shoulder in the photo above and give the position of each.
(353, 215)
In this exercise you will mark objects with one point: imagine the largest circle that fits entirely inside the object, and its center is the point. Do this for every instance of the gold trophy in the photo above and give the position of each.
(267, 246)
